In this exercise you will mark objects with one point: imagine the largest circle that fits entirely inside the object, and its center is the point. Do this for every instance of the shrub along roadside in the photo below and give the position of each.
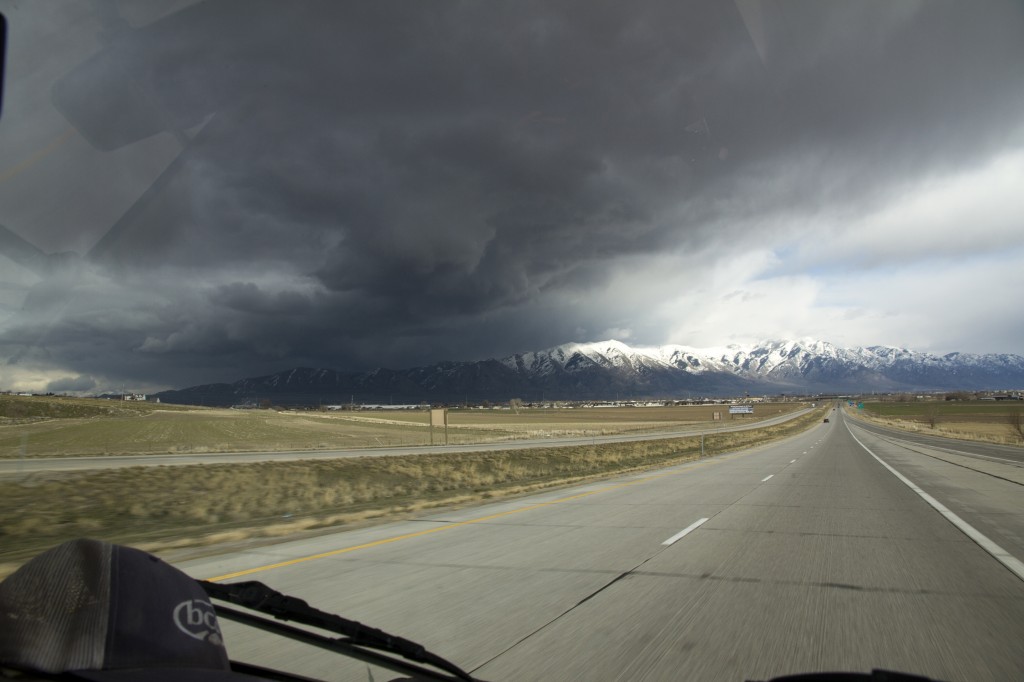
(166, 507)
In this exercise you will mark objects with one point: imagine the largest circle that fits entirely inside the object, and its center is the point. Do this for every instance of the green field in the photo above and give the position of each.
(63, 427)
(985, 420)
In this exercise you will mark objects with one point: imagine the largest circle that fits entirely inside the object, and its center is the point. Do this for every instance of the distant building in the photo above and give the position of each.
(135, 396)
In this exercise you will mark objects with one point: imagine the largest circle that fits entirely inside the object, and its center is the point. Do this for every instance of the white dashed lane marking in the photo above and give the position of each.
(683, 532)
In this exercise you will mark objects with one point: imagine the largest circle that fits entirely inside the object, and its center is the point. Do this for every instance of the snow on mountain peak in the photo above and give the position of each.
(605, 368)
(787, 361)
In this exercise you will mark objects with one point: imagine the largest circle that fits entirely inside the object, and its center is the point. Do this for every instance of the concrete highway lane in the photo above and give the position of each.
(987, 494)
(805, 555)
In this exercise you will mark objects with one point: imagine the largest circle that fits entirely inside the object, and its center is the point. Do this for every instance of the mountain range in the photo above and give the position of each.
(611, 369)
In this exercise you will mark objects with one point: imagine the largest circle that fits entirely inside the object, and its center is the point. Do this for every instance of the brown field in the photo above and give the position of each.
(168, 507)
(590, 421)
(66, 427)
(986, 421)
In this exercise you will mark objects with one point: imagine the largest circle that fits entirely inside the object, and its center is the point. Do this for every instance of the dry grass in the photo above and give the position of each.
(190, 505)
(983, 421)
(502, 418)
(210, 430)
(55, 427)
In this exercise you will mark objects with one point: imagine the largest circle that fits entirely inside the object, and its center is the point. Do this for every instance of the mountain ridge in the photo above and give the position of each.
(612, 369)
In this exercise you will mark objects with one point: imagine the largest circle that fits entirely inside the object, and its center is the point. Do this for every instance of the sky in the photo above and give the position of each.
(194, 192)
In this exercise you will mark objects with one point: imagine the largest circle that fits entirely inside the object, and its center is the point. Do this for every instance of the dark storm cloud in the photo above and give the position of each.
(77, 384)
(249, 298)
(394, 183)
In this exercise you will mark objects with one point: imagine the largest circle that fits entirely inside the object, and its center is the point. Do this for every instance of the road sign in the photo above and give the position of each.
(439, 417)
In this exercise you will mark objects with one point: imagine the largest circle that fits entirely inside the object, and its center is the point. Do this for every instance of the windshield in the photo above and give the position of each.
(316, 207)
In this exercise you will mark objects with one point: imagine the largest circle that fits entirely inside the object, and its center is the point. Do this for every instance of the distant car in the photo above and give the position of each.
(826, 420)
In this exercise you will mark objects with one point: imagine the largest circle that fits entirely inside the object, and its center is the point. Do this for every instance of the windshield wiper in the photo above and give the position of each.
(358, 641)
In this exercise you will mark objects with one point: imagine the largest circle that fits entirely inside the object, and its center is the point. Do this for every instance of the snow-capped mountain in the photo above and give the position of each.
(804, 365)
(610, 369)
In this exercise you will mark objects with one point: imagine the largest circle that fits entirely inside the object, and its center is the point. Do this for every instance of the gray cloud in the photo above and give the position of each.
(354, 184)
(78, 384)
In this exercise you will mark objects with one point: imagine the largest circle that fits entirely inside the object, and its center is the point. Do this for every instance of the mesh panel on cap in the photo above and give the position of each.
(53, 610)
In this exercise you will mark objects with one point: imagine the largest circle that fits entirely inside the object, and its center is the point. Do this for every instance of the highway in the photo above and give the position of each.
(799, 556)
(28, 465)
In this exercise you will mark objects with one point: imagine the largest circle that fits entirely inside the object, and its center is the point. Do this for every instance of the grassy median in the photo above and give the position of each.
(166, 507)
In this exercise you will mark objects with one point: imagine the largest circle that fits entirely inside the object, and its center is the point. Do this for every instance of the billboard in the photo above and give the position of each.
(741, 409)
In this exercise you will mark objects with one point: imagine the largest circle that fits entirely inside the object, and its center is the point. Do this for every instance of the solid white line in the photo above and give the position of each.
(683, 532)
(1000, 554)
(766, 478)
(951, 450)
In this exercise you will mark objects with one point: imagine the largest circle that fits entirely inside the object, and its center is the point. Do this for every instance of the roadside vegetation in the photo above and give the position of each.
(167, 507)
(982, 420)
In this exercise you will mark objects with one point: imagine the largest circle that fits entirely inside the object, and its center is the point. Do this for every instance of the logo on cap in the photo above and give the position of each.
(197, 619)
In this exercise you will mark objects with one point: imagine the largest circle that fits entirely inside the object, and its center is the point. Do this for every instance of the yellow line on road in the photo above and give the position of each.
(457, 524)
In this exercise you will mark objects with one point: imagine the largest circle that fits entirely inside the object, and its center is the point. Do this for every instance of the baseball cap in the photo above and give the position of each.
(106, 612)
